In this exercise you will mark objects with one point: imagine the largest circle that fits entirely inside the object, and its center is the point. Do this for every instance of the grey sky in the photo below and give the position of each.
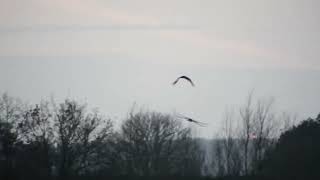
(113, 53)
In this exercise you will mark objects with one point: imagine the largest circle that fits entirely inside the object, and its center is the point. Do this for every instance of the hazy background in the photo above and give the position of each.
(114, 53)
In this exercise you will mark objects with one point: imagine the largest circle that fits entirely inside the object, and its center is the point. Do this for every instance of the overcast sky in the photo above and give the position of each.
(112, 53)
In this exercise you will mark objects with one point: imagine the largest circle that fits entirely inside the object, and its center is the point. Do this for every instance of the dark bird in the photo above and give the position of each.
(192, 120)
(183, 77)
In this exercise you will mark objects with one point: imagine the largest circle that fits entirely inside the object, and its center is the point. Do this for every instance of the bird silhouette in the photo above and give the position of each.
(192, 120)
(183, 77)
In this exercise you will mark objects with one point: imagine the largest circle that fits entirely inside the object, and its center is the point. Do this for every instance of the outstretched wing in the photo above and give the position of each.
(183, 77)
(199, 123)
(175, 82)
(188, 79)
(192, 120)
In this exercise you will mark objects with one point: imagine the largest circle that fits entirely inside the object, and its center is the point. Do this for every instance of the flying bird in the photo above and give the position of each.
(192, 120)
(183, 77)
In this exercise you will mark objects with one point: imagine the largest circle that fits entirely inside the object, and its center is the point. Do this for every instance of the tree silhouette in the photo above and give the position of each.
(8, 143)
(296, 154)
(38, 131)
(10, 116)
(157, 144)
(66, 141)
(82, 139)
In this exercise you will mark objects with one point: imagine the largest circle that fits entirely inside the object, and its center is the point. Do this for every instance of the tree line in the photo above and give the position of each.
(67, 140)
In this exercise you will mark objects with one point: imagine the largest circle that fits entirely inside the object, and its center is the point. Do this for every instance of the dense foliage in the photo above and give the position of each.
(296, 154)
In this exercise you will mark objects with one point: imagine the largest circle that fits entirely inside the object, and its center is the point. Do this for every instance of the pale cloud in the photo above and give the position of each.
(211, 41)
(67, 12)
(206, 33)
(243, 53)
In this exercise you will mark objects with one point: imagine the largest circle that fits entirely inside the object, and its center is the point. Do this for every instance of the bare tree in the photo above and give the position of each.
(246, 118)
(11, 112)
(244, 139)
(218, 162)
(264, 126)
(155, 144)
(81, 138)
(10, 116)
(65, 137)
(230, 143)
(37, 128)
(226, 151)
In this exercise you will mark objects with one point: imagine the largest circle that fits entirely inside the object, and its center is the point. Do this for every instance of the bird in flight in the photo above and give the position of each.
(183, 77)
(192, 120)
